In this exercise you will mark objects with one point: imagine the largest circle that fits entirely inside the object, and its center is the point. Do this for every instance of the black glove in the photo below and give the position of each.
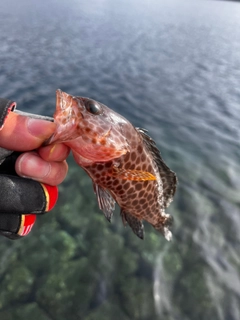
(21, 199)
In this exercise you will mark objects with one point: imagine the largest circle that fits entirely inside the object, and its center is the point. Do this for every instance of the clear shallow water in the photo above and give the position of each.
(173, 68)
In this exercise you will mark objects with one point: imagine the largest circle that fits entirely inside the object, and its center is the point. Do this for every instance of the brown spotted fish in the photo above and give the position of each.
(122, 161)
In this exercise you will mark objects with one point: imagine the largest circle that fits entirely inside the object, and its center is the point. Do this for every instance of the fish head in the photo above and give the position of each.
(92, 130)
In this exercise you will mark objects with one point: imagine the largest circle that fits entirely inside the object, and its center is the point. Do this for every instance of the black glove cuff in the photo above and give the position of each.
(10, 235)
(5, 107)
(21, 196)
(10, 223)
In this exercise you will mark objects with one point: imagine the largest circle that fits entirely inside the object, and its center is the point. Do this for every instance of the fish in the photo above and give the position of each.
(123, 162)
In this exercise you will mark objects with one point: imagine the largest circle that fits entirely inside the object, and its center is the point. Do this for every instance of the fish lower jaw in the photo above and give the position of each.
(82, 161)
(88, 153)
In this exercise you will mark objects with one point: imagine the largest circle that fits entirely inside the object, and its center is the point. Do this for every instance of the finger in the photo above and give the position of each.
(22, 133)
(31, 165)
(56, 152)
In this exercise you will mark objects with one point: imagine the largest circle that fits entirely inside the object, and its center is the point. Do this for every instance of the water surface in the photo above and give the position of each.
(171, 67)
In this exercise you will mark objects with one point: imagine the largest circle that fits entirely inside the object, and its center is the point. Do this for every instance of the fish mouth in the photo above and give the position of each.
(66, 118)
(63, 100)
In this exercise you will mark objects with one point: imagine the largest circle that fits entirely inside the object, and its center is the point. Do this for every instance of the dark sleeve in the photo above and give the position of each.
(5, 107)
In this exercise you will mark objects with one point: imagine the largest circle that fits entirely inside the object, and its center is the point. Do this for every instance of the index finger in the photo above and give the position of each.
(21, 133)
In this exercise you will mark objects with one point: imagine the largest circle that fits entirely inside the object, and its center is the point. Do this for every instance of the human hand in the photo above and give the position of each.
(20, 196)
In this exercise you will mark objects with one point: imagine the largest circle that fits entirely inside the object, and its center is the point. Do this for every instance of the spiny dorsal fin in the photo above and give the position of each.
(169, 178)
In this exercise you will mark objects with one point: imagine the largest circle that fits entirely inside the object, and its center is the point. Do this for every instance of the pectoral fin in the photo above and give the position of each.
(133, 175)
(105, 201)
(134, 223)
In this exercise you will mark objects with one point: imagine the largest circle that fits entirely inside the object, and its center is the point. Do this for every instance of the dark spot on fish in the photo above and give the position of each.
(119, 188)
(115, 182)
(131, 190)
(135, 202)
(133, 156)
(128, 135)
(143, 157)
(145, 184)
(127, 165)
(126, 185)
(145, 205)
(141, 193)
(139, 148)
(149, 197)
(149, 168)
(109, 184)
(107, 154)
(138, 186)
(127, 156)
(103, 142)
(100, 167)
(138, 160)
(108, 164)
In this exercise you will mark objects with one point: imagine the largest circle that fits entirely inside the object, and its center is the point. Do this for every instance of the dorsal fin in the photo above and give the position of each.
(169, 178)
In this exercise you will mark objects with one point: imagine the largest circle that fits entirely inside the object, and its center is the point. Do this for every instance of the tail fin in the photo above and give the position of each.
(163, 225)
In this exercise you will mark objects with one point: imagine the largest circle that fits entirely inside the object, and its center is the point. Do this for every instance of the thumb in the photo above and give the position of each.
(21, 133)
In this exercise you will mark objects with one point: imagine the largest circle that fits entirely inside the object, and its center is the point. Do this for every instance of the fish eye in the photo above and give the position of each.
(93, 107)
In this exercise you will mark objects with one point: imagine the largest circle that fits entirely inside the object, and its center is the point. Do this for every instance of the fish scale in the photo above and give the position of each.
(123, 162)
